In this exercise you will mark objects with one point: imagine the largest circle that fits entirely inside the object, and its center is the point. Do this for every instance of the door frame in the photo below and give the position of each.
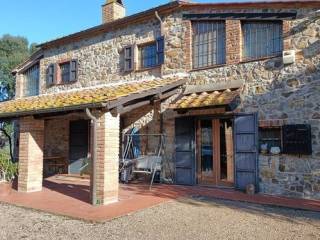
(216, 180)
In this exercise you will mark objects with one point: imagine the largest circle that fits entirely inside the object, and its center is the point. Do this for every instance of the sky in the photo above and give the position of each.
(43, 20)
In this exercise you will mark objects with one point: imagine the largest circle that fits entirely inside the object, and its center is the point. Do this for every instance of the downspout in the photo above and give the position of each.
(161, 23)
(94, 156)
(161, 34)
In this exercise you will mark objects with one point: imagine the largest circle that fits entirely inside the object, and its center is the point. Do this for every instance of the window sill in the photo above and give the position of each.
(270, 154)
(61, 84)
(148, 69)
(259, 59)
(209, 67)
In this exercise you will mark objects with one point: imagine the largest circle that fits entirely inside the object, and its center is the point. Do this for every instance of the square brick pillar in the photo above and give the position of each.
(31, 155)
(234, 41)
(107, 162)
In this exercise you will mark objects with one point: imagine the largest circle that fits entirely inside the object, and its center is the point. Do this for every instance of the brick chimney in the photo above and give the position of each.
(113, 10)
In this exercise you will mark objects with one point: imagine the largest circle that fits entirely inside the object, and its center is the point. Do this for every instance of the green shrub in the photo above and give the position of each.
(8, 169)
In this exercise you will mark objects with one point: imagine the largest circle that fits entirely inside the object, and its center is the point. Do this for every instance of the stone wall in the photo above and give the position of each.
(289, 93)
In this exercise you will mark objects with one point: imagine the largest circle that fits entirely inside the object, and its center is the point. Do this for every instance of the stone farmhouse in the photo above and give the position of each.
(234, 87)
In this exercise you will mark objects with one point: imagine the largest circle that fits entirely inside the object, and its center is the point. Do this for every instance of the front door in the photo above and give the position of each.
(79, 145)
(215, 162)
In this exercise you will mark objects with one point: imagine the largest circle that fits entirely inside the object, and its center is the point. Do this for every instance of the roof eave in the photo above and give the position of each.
(106, 27)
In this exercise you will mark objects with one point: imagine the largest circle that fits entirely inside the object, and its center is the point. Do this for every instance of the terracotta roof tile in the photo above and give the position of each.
(206, 99)
(93, 97)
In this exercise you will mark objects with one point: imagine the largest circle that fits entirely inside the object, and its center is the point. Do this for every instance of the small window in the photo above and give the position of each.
(269, 138)
(51, 75)
(32, 76)
(262, 39)
(128, 58)
(65, 72)
(68, 71)
(297, 139)
(209, 43)
(152, 55)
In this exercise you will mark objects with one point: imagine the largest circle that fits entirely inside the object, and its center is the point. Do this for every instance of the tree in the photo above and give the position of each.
(13, 51)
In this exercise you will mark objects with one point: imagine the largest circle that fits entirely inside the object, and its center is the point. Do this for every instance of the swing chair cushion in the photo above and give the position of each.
(147, 163)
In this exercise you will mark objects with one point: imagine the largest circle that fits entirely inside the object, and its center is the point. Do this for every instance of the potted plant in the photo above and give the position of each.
(8, 172)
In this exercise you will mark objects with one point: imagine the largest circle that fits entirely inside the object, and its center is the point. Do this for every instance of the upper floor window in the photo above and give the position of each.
(152, 55)
(68, 71)
(65, 72)
(32, 76)
(209, 43)
(262, 39)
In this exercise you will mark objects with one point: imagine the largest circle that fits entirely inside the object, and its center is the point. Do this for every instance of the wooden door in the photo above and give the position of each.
(79, 145)
(215, 155)
(246, 150)
(185, 151)
(208, 151)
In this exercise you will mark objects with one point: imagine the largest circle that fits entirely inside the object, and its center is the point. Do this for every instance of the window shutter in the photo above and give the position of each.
(160, 49)
(55, 74)
(50, 75)
(128, 58)
(73, 70)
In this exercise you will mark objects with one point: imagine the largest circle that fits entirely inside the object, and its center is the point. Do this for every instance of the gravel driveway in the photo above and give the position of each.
(183, 219)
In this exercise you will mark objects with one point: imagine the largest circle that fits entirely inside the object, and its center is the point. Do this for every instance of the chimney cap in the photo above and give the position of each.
(114, 1)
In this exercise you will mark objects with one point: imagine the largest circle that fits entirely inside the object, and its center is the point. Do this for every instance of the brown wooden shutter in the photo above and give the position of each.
(73, 70)
(51, 75)
(128, 58)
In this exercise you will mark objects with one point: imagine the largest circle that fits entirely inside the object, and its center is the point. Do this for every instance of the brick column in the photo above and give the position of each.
(286, 35)
(31, 155)
(188, 44)
(107, 165)
(233, 41)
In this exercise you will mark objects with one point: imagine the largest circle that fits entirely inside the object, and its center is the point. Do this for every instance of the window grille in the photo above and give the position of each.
(209, 43)
(262, 39)
(152, 54)
(32, 81)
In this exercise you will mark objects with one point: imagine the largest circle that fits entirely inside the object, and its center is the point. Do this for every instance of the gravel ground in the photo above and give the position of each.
(183, 219)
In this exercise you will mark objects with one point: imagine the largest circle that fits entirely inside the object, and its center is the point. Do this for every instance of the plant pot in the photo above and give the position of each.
(5, 189)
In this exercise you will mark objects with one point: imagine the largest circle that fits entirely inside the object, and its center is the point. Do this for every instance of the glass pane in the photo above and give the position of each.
(208, 43)
(206, 148)
(262, 39)
(149, 56)
(226, 151)
(32, 81)
(65, 72)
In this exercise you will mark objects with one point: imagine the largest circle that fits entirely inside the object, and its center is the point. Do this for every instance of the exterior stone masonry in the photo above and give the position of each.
(107, 168)
(31, 154)
(278, 92)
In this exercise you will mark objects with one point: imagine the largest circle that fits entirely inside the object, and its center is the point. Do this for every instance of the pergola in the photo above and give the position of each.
(103, 105)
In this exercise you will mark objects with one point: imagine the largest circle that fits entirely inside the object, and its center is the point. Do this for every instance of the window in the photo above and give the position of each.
(128, 58)
(65, 72)
(152, 54)
(209, 43)
(262, 39)
(269, 138)
(32, 76)
(68, 71)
